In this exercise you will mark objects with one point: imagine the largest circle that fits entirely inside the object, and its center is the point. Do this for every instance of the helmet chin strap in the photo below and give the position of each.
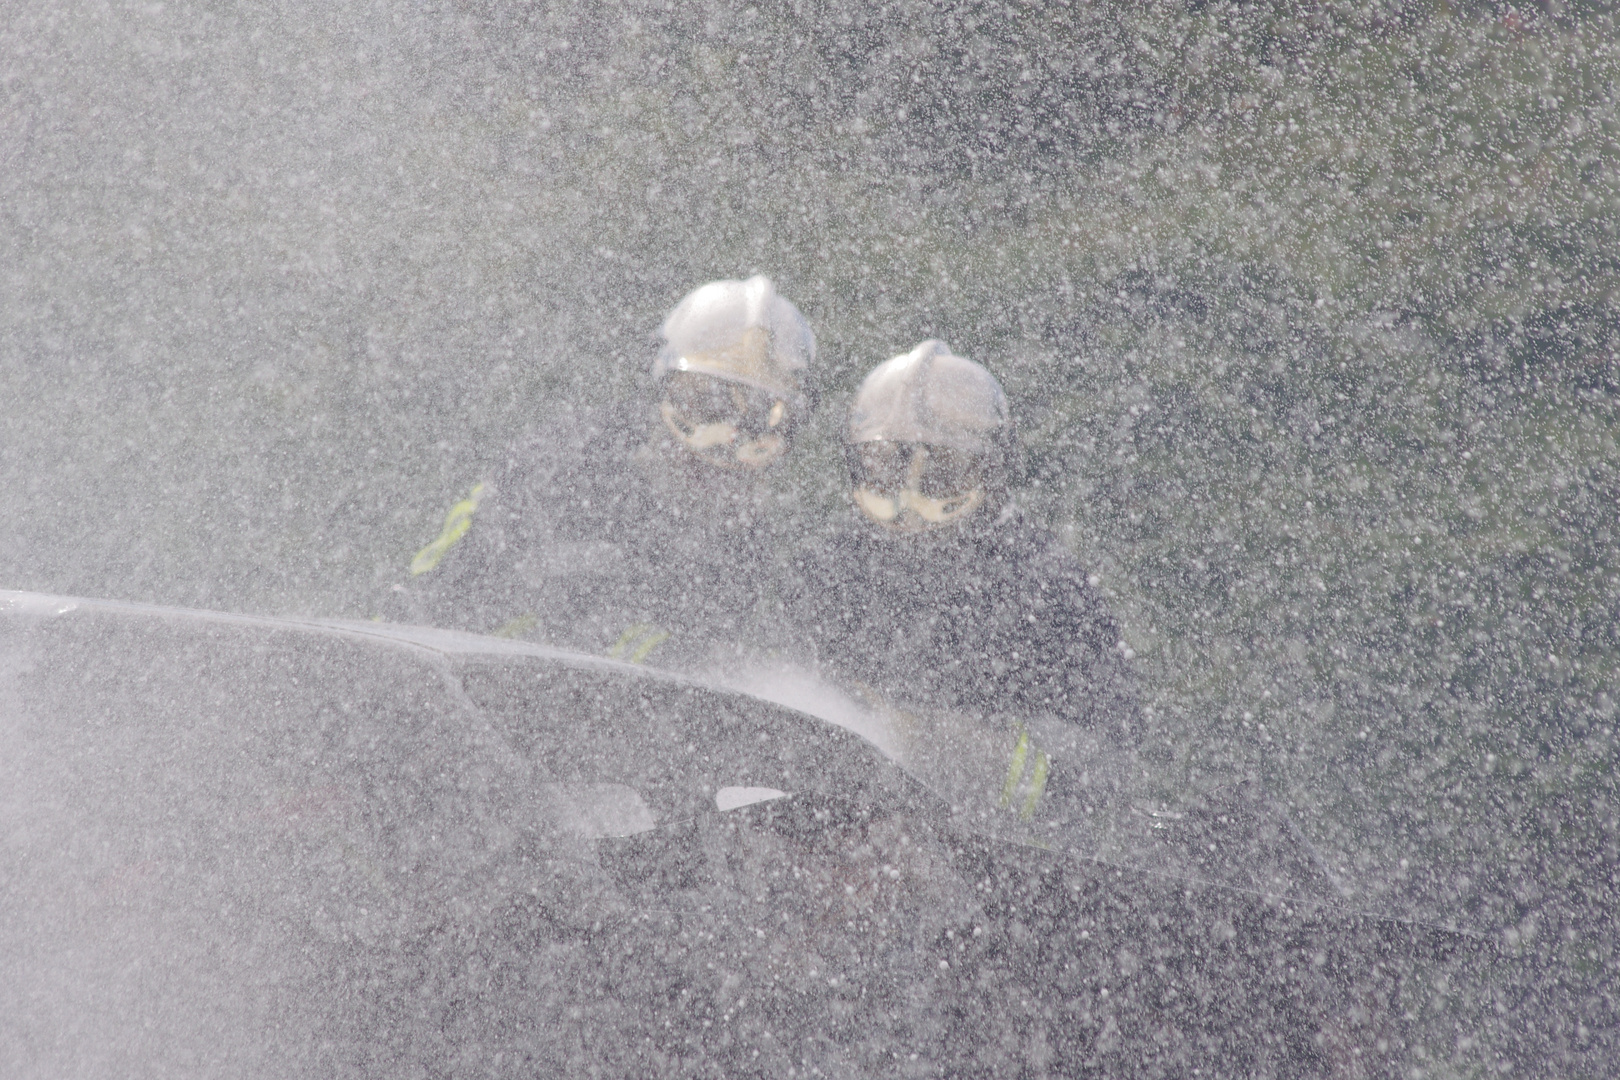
(707, 440)
(910, 511)
(759, 452)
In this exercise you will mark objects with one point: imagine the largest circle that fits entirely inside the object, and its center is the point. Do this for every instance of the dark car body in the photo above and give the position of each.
(253, 846)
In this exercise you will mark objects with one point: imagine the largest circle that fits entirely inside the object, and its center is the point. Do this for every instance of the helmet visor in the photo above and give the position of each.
(912, 486)
(934, 471)
(725, 422)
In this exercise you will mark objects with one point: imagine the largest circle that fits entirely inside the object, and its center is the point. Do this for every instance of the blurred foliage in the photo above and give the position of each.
(1308, 315)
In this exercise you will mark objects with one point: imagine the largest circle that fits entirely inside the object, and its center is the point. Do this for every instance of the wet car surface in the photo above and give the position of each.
(270, 845)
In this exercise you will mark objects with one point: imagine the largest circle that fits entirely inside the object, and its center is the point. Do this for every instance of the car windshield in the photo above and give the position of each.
(1283, 560)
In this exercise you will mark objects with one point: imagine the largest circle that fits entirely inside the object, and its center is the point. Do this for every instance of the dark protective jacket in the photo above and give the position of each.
(599, 534)
(995, 622)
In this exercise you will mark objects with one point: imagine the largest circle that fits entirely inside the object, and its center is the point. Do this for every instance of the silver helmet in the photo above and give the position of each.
(928, 441)
(733, 371)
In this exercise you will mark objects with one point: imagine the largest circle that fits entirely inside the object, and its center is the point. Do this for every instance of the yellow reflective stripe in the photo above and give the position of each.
(1037, 784)
(616, 651)
(517, 627)
(636, 643)
(652, 642)
(1015, 768)
(456, 524)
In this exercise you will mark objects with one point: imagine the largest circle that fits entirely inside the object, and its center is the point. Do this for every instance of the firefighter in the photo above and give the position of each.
(940, 598)
(647, 536)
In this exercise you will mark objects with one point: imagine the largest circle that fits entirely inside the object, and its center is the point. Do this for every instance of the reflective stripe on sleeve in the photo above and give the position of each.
(638, 642)
(456, 524)
(1037, 785)
(517, 627)
(1015, 768)
(1015, 783)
